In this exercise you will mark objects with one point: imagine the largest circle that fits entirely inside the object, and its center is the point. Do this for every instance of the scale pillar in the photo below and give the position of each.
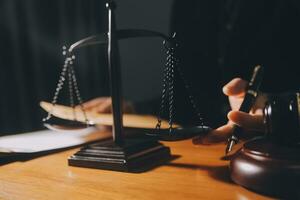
(115, 76)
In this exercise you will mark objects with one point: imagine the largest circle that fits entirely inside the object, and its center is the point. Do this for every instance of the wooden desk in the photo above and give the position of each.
(197, 174)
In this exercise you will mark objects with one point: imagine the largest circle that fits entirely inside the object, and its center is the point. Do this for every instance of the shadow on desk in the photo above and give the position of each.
(220, 173)
(23, 157)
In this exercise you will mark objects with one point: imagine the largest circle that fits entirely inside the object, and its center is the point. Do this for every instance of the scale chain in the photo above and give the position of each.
(168, 90)
(163, 98)
(77, 92)
(60, 84)
(68, 70)
(191, 97)
(71, 91)
(171, 88)
(172, 65)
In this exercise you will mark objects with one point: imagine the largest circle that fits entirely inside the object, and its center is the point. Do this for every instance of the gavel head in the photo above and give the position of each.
(282, 118)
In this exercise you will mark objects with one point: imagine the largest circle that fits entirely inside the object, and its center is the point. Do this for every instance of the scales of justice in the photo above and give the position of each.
(142, 150)
(122, 153)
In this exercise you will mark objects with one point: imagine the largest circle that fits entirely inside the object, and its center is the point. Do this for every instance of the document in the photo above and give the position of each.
(47, 140)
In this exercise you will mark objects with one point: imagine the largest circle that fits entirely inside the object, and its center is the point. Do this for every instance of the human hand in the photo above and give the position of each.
(253, 121)
(103, 105)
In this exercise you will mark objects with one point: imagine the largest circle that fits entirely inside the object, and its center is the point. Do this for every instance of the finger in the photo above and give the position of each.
(260, 103)
(94, 102)
(218, 135)
(235, 102)
(247, 121)
(104, 107)
(236, 87)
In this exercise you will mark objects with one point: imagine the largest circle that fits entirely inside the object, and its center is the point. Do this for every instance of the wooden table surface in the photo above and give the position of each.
(198, 173)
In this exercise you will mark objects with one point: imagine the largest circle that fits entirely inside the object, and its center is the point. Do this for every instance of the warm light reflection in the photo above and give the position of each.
(249, 168)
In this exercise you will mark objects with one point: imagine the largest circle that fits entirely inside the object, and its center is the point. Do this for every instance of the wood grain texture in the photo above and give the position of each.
(198, 173)
(129, 120)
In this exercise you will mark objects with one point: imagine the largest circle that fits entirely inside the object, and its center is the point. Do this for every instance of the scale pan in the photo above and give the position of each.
(177, 134)
(63, 125)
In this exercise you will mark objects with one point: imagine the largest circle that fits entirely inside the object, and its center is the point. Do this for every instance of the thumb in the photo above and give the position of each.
(236, 87)
(247, 121)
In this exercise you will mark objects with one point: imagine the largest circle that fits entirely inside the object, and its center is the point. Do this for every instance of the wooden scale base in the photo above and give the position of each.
(268, 168)
(135, 155)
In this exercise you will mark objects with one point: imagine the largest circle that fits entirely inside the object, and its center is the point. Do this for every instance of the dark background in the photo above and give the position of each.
(219, 40)
(32, 33)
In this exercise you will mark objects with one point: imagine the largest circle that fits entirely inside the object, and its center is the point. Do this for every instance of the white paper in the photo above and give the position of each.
(45, 140)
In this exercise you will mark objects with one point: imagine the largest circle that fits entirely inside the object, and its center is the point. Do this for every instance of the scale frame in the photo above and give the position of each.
(128, 154)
